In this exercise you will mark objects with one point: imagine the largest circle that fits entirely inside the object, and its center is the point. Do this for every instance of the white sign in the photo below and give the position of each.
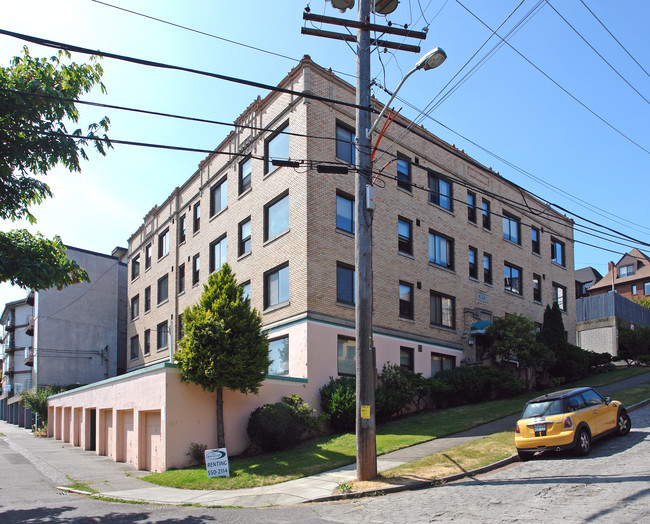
(216, 462)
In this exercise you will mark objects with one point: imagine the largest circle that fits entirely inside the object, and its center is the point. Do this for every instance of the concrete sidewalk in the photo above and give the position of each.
(63, 464)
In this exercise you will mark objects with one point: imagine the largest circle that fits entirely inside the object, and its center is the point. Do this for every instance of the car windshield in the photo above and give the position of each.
(543, 408)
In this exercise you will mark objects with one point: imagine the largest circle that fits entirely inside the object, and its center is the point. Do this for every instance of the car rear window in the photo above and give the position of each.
(542, 409)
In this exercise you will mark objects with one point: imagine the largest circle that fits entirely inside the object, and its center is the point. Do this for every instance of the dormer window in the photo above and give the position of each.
(626, 271)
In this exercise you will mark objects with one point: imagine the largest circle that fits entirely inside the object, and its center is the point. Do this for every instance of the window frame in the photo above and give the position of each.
(558, 245)
(181, 278)
(147, 299)
(196, 269)
(487, 272)
(135, 307)
(159, 300)
(146, 348)
(437, 313)
(135, 267)
(163, 243)
(473, 267)
(628, 272)
(406, 307)
(348, 199)
(284, 371)
(134, 348)
(535, 240)
(245, 175)
(348, 270)
(486, 214)
(449, 250)
(267, 215)
(435, 196)
(510, 286)
(277, 134)
(405, 243)
(147, 256)
(342, 143)
(268, 303)
(471, 207)
(219, 190)
(182, 228)
(343, 342)
(537, 288)
(409, 353)
(442, 359)
(162, 335)
(244, 243)
(556, 296)
(196, 218)
(511, 219)
(404, 176)
(221, 243)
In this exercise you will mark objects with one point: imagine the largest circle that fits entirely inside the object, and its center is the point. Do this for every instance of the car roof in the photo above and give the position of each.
(558, 394)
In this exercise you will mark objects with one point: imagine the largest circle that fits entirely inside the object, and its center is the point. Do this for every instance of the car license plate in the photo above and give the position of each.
(540, 428)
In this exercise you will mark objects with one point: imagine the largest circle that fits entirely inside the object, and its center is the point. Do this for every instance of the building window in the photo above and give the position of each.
(344, 283)
(534, 235)
(471, 207)
(511, 228)
(441, 362)
(404, 173)
(181, 279)
(441, 250)
(406, 300)
(345, 142)
(135, 347)
(512, 278)
(196, 266)
(276, 217)
(147, 341)
(345, 213)
(404, 235)
(559, 296)
(473, 263)
(646, 288)
(147, 299)
(537, 288)
(135, 307)
(276, 286)
(245, 170)
(244, 236)
(626, 271)
(161, 335)
(218, 250)
(147, 257)
(406, 358)
(196, 225)
(440, 191)
(163, 243)
(135, 267)
(279, 355)
(634, 289)
(557, 252)
(276, 147)
(485, 211)
(487, 268)
(163, 290)
(219, 196)
(182, 229)
(346, 348)
(246, 289)
(443, 310)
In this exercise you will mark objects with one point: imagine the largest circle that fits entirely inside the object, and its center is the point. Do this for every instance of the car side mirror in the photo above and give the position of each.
(608, 400)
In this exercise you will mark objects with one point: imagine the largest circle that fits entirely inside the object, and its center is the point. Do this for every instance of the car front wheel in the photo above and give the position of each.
(623, 423)
(583, 445)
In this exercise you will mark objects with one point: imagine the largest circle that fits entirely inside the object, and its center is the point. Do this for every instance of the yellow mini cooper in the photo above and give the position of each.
(568, 419)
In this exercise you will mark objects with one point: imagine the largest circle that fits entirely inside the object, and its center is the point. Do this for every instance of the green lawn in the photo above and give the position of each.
(331, 452)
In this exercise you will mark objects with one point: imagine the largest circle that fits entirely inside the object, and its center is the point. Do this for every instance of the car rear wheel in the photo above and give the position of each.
(583, 445)
(525, 455)
(623, 423)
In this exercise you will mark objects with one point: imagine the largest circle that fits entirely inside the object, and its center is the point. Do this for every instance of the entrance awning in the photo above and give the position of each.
(478, 328)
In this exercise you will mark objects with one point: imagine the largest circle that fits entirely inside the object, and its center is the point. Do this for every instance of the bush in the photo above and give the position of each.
(471, 384)
(338, 401)
(280, 425)
(197, 453)
(440, 392)
(598, 362)
(395, 391)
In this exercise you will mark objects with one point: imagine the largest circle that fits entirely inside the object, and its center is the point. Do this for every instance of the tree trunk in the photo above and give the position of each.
(221, 439)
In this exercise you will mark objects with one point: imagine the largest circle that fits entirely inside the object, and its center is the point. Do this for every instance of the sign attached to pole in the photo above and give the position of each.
(216, 462)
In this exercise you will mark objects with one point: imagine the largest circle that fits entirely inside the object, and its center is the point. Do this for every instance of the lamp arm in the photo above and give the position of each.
(372, 128)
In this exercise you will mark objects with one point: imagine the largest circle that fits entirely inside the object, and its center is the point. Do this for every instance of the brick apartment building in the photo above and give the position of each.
(454, 245)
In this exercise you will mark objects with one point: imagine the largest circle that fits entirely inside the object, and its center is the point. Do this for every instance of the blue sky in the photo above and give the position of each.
(506, 106)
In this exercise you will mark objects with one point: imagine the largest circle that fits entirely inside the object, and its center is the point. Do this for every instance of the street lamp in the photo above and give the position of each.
(431, 60)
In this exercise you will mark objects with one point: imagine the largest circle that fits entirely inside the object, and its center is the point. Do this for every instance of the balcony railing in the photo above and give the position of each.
(29, 330)
(29, 356)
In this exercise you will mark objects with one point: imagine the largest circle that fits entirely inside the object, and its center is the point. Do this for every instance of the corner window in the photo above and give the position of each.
(135, 267)
(245, 169)
(557, 252)
(196, 224)
(147, 342)
(182, 229)
(559, 296)
(511, 228)
(537, 288)
(196, 266)
(404, 173)
(276, 217)
(487, 268)
(135, 347)
(406, 358)
(443, 310)
(441, 250)
(512, 278)
(181, 278)
(163, 243)
(163, 290)
(147, 257)
(485, 213)
(218, 250)
(276, 286)
(344, 283)
(440, 191)
(471, 207)
(473, 263)
(345, 213)
(244, 236)
(218, 196)
(135, 307)
(276, 147)
(406, 300)
(346, 348)
(345, 142)
(279, 355)
(162, 331)
(441, 362)
(534, 236)
(404, 235)
(147, 299)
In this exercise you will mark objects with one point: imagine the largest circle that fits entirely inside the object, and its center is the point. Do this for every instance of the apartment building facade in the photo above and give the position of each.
(454, 246)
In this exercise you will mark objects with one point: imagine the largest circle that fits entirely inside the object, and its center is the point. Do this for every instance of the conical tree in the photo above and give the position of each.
(223, 344)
